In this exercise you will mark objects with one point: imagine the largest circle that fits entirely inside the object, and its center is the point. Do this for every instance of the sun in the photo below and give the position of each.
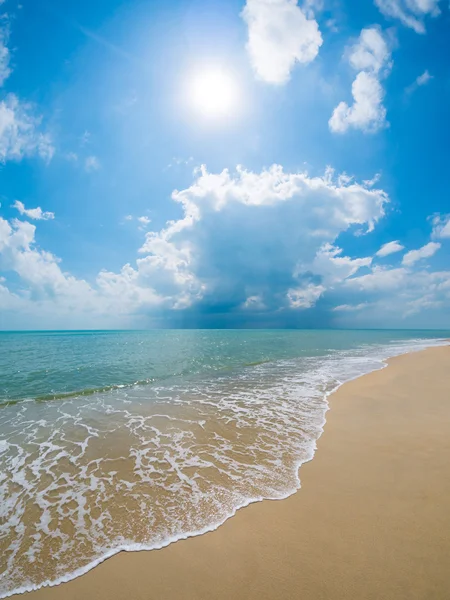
(213, 93)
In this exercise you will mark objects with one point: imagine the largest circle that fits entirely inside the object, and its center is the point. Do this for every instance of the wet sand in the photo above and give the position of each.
(371, 522)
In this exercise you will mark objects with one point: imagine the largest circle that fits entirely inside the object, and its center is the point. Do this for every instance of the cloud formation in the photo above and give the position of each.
(249, 248)
(33, 213)
(410, 12)
(401, 292)
(245, 239)
(19, 132)
(280, 34)
(5, 70)
(389, 248)
(372, 58)
(441, 226)
(420, 81)
(19, 126)
(426, 251)
(91, 164)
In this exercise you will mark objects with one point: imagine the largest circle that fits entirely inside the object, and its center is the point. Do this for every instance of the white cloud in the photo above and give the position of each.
(394, 293)
(279, 35)
(260, 244)
(424, 78)
(371, 52)
(253, 303)
(305, 297)
(144, 221)
(441, 226)
(254, 241)
(389, 248)
(351, 307)
(260, 234)
(425, 302)
(333, 267)
(426, 251)
(91, 164)
(5, 70)
(19, 133)
(19, 126)
(372, 58)
(50, 294)
(380, 279)
(410, 12)
(371, 182)
(420, 81)
(367, 111)
(33, 213)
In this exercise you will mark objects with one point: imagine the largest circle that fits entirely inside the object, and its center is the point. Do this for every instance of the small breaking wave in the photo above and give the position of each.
(139, 467)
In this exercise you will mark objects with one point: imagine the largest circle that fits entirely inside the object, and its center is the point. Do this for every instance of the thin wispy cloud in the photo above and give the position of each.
(411, 13)
(389, 248)
(426, 251)
(92, 164)
(33, 213)
(420, 81)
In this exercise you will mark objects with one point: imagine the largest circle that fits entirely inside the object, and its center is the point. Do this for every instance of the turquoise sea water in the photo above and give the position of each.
(40, 364)
(116, 441)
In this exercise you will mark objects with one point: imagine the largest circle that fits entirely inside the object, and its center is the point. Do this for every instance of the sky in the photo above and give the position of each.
(224, 163)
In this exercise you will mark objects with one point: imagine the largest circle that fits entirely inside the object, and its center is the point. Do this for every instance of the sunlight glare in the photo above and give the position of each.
(214, 93)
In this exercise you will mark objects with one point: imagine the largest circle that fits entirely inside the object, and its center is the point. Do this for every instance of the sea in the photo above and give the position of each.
(129, 440)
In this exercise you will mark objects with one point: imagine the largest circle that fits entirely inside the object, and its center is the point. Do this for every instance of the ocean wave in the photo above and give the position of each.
(122, 470)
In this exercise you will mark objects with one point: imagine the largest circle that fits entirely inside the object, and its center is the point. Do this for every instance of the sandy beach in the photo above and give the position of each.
(371, 520)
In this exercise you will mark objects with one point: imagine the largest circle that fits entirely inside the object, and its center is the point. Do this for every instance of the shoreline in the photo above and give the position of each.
(52, 590)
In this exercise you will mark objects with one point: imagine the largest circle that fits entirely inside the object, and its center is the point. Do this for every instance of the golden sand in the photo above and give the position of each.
(371, 522)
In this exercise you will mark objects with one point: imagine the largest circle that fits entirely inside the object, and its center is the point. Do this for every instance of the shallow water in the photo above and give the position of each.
(131, 440)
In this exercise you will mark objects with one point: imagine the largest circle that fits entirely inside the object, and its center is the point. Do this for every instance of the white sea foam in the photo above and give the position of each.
(128, 471)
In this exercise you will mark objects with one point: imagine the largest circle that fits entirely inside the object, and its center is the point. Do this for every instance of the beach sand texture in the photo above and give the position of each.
(372, 519)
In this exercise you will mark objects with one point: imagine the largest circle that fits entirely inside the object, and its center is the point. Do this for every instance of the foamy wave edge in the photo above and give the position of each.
(184, 536)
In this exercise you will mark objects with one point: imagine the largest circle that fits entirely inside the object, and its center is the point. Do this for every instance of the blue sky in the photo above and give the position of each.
(216, 163)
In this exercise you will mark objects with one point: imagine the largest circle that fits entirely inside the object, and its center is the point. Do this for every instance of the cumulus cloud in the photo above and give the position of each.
(389, 248)
(371, 52)
(48, 293)
(426, 251)
(247, 240)
(367, 111)
(262, 247)
(19, 132)
(441, 226)
(33, 213)
(372, 58)
(280, 34)
(410, 12)
(260, 234)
